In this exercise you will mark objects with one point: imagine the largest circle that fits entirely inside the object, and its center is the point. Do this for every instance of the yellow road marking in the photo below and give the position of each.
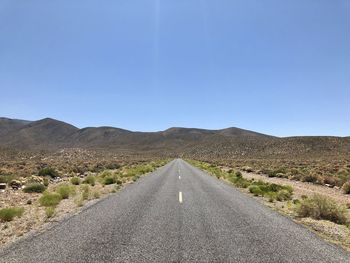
(180, 197)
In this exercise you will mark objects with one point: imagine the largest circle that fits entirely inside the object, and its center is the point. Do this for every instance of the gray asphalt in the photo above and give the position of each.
(145, 222)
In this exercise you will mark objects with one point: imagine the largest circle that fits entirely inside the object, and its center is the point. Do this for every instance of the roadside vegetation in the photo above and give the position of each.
(334, 173)
(320, 207)
(273, 192)
(50, 192)
(8, 214)
(314, 211)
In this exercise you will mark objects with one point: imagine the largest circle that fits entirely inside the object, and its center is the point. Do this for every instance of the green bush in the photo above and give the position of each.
(5, 179)
(50, 211)
(48, 171)
(321, 207)
(271, 196)
(112, 166)
(85, 192)
(310, 178)
(255, 190)
(283, 195)
(238, 174)
(240, 182)
(90, 179)
(50, 199)
(346, 188)
(109, 180)
(65, 191)
(119, 182)
(105, 174)
(135, 178)
(34, 188)
(46, 182)
(75, 180)
(7, 214)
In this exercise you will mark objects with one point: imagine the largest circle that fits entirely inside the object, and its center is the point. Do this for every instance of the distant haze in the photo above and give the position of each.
(277, 67)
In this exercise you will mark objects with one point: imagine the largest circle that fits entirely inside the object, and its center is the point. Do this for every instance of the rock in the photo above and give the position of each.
(247, 169)
(15, 184)
(57, 179)
(2, 186)
(329, 185)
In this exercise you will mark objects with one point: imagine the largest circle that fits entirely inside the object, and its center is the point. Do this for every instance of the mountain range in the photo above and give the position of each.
(51, 135)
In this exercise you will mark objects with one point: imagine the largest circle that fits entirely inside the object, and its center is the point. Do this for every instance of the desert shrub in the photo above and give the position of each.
(271, 196)
(50, 199)
(109, 180)
(5, 179)
(255, 190)
(283, 195)
(321, 207)
(346, 188)
(34, 188)
(296, 201)
(105, 174)
(96, 195)
(85, 192)
(310, 178)
(119, 182)
(99, 167)
(7, 214)
(65, 191)
(276, 173)
(48, 171)
(112, 166)
(135, 178)
(238, 181)
(331, 180)
(75, 180)
(297, 177)
(50, 211)
(46, 182)
(90, 179)
(238, 174)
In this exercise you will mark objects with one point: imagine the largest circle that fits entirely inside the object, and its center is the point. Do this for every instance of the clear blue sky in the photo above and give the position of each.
(278, 67)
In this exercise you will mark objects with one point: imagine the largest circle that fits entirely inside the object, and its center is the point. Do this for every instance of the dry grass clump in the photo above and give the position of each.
(75, 180)
(50, 199)
(321, 207)
(34, 188)
(8, 214)
(346, 188)
(90, 179)
(65, 190)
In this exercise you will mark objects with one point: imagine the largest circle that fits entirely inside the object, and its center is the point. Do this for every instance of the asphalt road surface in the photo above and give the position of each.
(176, 214)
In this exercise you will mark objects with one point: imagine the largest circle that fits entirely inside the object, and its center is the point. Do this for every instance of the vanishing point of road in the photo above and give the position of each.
(176, 214)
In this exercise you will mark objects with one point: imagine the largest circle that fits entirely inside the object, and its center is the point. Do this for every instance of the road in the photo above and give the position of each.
(176, 214)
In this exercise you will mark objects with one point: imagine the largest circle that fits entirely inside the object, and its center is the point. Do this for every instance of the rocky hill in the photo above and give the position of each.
(51, 135)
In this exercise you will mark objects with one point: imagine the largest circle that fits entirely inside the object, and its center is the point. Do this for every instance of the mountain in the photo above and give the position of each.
(42, 134)
(11, 125)
(51, 135)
